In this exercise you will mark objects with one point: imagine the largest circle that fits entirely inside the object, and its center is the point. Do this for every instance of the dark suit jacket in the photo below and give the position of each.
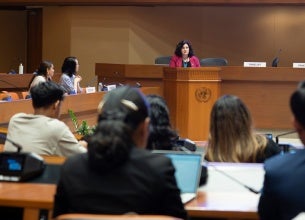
(145, 184)
(283, 194)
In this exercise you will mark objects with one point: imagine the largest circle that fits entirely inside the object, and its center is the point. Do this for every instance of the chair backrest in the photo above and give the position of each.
(25, 94)
(114, 217)
(9, 96)
(213, 62)
(163, 60)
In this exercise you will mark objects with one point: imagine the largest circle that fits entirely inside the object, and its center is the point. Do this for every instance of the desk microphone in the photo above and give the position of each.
(224, 173)
(234, 179)
(138, 85)
(12, 71)
(94, 79)
(276, 59)
(283, 134)
(19, 166)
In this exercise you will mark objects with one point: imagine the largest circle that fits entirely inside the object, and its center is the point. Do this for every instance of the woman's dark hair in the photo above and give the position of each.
(46, 93)
(69, 66)
(180, 45)
(161, 134)
(120, 113)
(42, 70)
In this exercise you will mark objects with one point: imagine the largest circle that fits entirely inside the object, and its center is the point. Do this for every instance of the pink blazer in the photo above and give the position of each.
(177, 61)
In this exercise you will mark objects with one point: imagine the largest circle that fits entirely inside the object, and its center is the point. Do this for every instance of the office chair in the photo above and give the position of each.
(163, 60)
(213, 62)
(77, 216)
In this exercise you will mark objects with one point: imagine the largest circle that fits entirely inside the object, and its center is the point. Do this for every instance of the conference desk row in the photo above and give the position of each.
(83, 105)
(189, 92)
(265, 90)
(219, 199)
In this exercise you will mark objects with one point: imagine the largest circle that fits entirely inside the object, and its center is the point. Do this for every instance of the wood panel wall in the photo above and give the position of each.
(150, 2)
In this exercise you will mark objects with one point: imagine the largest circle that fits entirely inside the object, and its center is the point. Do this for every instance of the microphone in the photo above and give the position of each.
(92, 81)
(19, 166)
(234, 179)
(117, 73)
(283, 134)
(285, 147)
(276, 59)
(12, 71)
(18, 146)
(184, 149)
(138, 85)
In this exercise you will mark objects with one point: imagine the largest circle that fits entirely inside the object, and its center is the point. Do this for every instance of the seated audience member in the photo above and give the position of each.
(118, 175)
(283, 195)
(70, 80)
(232, 137)
(44, 73)
(184, 56)
(161, 134)
(42, 132)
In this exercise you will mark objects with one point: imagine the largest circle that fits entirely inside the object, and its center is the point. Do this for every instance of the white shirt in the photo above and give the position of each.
(42, 135)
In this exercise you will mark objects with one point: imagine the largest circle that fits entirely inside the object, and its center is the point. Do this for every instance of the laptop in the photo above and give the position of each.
(188, 171)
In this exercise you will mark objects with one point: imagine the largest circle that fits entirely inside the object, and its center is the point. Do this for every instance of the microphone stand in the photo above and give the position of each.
(283, 134)
(184, 149)
(235, 180)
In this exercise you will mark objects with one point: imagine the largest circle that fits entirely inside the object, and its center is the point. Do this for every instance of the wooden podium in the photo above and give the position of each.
(190, 94)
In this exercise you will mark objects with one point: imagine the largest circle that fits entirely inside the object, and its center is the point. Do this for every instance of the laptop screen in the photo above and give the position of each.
(188, 169)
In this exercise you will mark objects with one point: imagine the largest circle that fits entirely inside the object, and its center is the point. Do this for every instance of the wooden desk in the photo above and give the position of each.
(266, 91)
(146, 75)
(18, 82)
(225, 198)
(219, 198)
(83, 105)
(49, 159)
(224, 205)
(32, 197)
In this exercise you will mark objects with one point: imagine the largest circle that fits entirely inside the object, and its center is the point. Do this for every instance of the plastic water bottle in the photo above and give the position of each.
(20, 68)
(100, 87)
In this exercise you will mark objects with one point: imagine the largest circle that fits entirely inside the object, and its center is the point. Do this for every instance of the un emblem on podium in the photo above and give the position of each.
(203, 94)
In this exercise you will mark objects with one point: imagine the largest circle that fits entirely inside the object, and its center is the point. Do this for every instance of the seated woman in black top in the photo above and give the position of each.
(161, 134)
(118, 175)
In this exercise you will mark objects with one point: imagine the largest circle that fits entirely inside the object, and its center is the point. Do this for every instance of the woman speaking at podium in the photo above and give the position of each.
(184, 56)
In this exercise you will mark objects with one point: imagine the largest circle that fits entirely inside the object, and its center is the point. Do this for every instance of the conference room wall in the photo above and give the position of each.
(136, 35)
(13, 39)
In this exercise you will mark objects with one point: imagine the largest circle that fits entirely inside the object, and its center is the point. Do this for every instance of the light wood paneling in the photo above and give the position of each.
(266, 92)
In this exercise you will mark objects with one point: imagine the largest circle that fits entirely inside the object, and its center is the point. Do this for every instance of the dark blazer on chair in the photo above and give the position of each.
(145, 184)
(283, 194)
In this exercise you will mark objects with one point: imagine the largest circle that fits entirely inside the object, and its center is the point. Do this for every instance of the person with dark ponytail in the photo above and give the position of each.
(44, 73)
(118, 175)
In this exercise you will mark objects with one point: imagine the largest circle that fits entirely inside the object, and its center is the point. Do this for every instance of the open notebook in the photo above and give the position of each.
(188, 171)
